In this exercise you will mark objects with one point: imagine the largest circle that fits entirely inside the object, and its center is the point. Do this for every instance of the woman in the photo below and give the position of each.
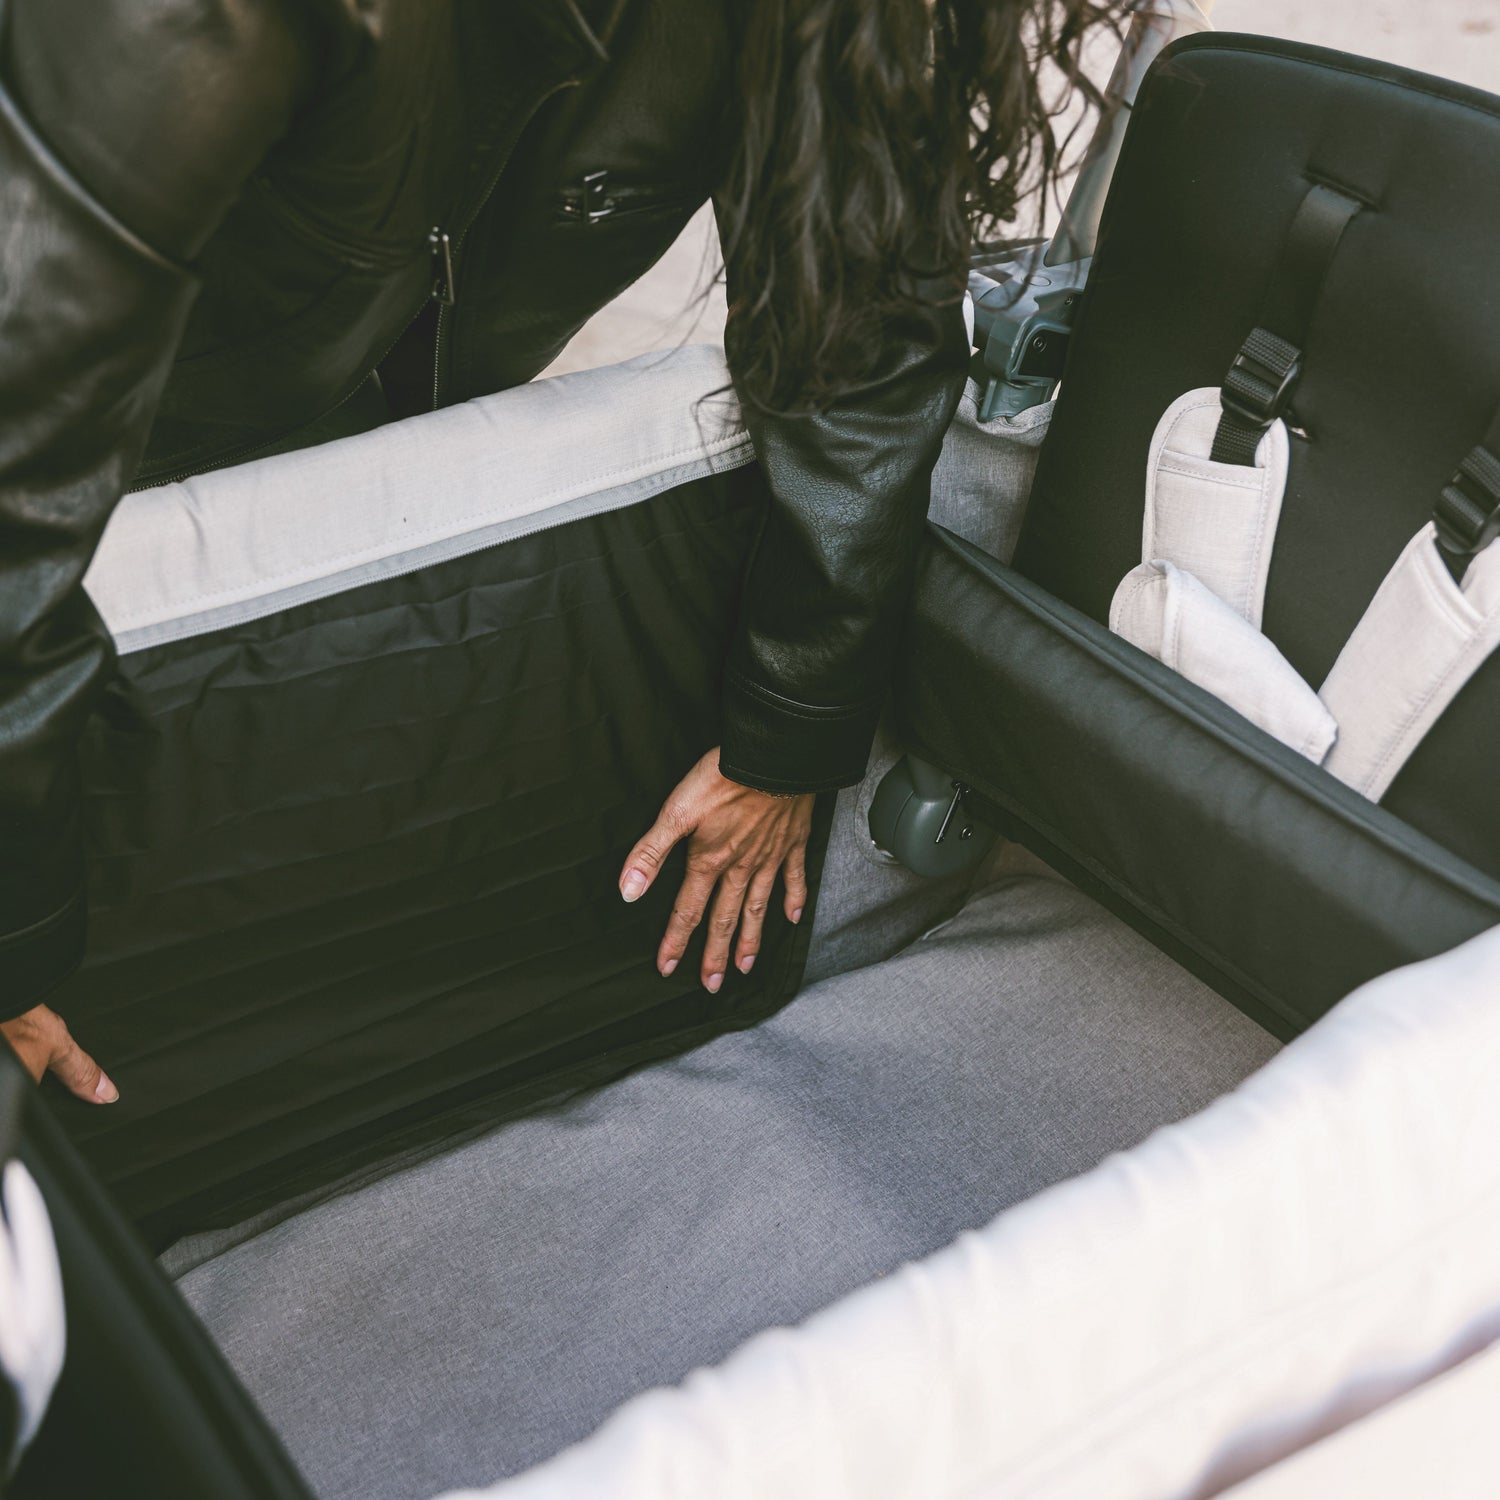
(390, 205)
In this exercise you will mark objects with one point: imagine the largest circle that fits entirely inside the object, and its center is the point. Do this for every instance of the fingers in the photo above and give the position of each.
(79, 1073)
(27, 1044)
(733, 884)
(794, 873)
(643, 863)
(753, 919)
(741, 840)
(687, 912)
(42, 1041)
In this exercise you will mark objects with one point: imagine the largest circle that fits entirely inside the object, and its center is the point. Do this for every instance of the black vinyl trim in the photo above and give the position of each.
(1288, 889)
(1232, 731)
(1333, 61)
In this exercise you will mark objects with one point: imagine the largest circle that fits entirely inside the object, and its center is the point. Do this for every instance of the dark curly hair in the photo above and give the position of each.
(877, 139)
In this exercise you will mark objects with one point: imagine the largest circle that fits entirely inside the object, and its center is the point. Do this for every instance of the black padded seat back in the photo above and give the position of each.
(1401, 372)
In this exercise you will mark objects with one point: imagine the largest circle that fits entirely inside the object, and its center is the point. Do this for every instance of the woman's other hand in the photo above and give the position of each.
(741, 840)
(43, 1043)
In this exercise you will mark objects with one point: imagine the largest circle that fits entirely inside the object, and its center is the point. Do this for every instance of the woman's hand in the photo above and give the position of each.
(43, 1042)
(741, 840)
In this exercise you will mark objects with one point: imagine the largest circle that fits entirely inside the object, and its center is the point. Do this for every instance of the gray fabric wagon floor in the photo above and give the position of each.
(465, 1318)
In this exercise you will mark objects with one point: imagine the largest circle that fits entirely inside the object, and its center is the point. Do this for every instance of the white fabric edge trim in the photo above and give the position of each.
(238, 544)
(1439, 1440)
(1170, 614)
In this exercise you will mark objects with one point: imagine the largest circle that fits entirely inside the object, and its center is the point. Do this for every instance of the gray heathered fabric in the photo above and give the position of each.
(460, 1320)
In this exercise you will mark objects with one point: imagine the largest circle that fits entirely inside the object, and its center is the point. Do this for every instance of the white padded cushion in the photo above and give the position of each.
(1170, 615)
(1308, 1248)
(1441, 1441)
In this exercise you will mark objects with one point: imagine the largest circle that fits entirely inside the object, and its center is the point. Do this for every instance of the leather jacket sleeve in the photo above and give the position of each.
(810, 662)
(93, 298)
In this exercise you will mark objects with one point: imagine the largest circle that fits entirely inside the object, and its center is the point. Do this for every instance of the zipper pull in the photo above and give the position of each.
(596, 202)
(444, 283)
(590, 201)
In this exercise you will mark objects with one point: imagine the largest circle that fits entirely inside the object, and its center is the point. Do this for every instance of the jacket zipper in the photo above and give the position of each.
(450, 246)
(443, 248)
(444, 282)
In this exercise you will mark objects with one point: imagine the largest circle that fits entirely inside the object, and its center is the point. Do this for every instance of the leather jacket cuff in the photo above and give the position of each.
(775, 744)
(34, 961)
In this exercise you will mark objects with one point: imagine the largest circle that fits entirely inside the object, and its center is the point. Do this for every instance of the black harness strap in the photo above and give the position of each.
(1467, 513)
(1260, 381)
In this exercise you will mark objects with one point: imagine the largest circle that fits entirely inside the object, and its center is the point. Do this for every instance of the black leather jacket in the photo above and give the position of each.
(216, 219)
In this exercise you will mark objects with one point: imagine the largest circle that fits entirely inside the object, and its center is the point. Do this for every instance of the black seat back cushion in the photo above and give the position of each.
(1402, 359)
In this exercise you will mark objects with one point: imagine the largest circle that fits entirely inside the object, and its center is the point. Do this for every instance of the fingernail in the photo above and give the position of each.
(747, 963)
(797, 915)
(633, 887)
(714, 981)
(104, 1091)
(669, 968)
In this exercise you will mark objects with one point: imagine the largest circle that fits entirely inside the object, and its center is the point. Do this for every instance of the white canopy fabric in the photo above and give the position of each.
(1309, 1248)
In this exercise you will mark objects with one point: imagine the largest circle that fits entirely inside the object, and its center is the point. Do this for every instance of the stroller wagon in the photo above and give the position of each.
(440, 1172)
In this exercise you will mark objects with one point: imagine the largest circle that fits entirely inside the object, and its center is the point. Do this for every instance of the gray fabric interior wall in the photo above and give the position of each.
(463, 1319)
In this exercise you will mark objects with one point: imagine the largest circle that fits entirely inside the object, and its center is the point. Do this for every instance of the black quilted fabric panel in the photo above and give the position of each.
(353, 866)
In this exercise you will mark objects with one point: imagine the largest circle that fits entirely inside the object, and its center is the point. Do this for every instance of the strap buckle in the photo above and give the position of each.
(1258, 387)
(1467, 513)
